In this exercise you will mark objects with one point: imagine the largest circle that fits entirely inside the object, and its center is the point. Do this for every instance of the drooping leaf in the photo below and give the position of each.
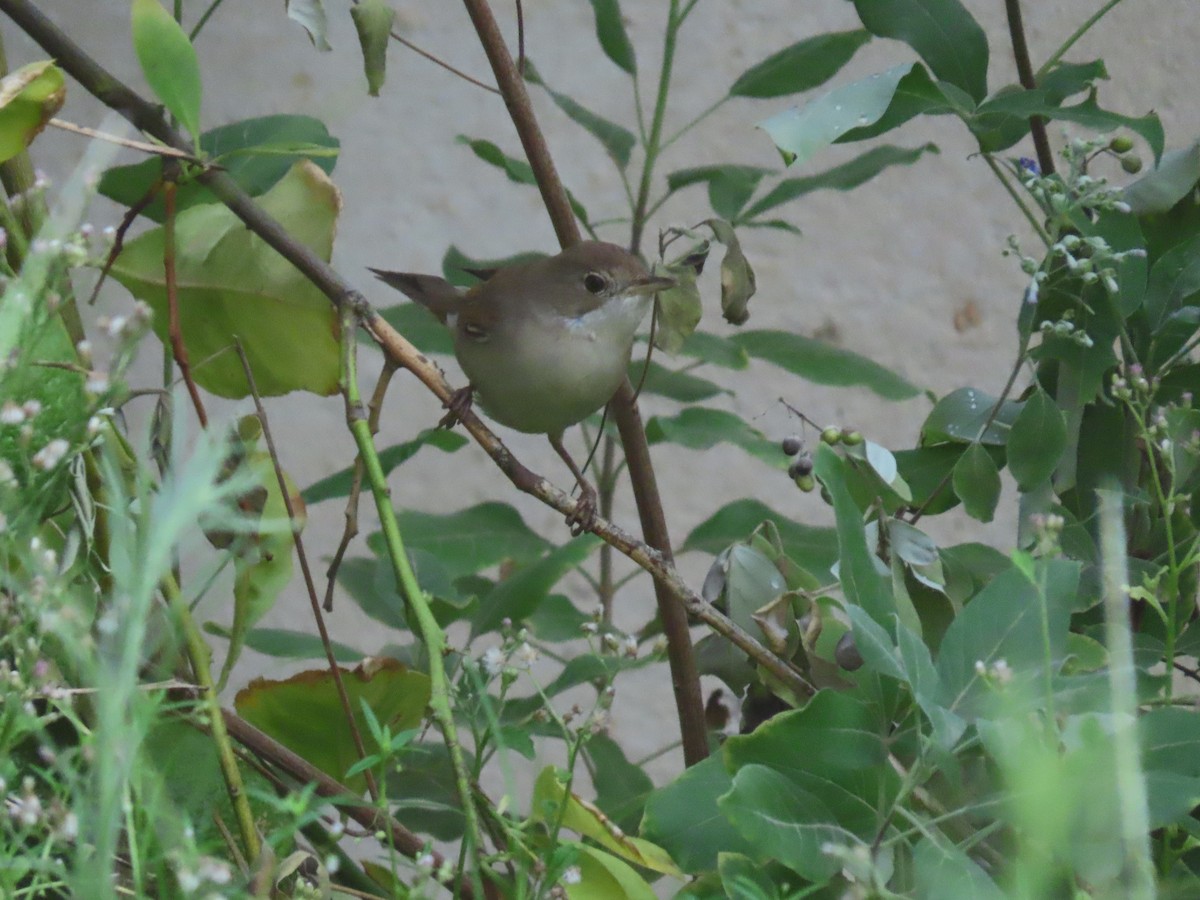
(310, 15)
(517, 170)
(472, 539)
(944, 872)
(718, 351)
(977, 483)
(1175, 175)
(29, 98)
(737, 278)
(916, 94)
(678, 309)
(845, 177)
(681, 386)
(603, 875)
(943, 33)
(800, 67)
(231, 283)
(610, 31)
(821, 363)
(373, 22)
(1036, 441)
(617, 140)
(168, 61)
(396, 696)
(800, 133)
(256, 153)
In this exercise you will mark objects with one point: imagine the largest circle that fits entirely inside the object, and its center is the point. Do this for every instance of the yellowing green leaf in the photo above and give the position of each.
(29, 98)
(373, 21)
(230, 283)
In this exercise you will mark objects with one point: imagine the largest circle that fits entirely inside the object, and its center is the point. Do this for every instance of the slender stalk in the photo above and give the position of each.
(417, 604)
(1018, 200)
(203, 20)
(1075, 36)
(653, 142)
(197, 651)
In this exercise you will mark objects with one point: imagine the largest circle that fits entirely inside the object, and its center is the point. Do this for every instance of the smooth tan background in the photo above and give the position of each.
(885, 270)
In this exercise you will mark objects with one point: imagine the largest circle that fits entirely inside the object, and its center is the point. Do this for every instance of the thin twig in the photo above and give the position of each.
(441, 62)
(1075, 36)
(174, 328)
(302, 557)
(144, 146)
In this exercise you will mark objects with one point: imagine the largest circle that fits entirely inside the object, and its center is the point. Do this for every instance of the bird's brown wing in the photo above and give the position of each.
(437, 295)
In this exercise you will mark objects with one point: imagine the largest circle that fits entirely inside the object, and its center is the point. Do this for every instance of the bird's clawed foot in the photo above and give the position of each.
(583, 516)
(458, 406)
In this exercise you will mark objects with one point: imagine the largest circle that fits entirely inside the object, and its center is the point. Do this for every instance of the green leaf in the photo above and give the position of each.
(1037, 441)
(925, 470)
(472, 539)
(812, 548)
(820, 363)
(916, 94)
(1172, 179)
(845, 177)
(737, 278)
(745, 878)
(944, 872)
(168, 61)
(310, 14)
(1004, 621)
(518, 595)
(617, 141)
(231, 283)
(256, 153)
(718, 351)
(1174, 282)
(701, 429)
(800, 133)
(429, 801)
(29, 98)
(960, 415)
(610, 31)
(977, 483)
(397, 697)
(729, 186)
(784, 822)
(621, 787)
(603, 876)
(421, 327)
(680, 386)
(678, 308)
(861, 581)
(462, 270)
(682, 817)
(802, 66)
(288, 644)
(373, 22)
(339, 483)
(943, 33)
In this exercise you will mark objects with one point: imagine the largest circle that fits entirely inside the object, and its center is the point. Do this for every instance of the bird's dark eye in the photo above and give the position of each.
(595, 282)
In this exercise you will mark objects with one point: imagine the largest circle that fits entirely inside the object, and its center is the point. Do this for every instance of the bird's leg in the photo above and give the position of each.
(583, 516)
(458, 405)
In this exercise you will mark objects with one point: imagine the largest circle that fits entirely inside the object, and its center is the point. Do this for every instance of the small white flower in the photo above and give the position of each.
(31, 408)
(11, 414)
(97, 383)
(572, 875)
(492, 661)
(980, 668)
(631, 647)
(424, 861)
(526, 656)
(51, 455)
(115, 326)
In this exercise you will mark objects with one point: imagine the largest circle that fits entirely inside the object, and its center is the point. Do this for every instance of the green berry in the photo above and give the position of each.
(1132, 163)
(831, 435)
(1121, 144)
(851, 437)
(806, 483)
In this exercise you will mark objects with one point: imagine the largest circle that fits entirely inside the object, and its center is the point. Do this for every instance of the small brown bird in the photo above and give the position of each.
(544, 344)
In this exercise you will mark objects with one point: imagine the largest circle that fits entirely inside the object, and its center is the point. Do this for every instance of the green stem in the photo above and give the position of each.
(203, 20)
(1016, 198)
(653, 142)
(692, 124)
(197, 651)
(430, 632)
(1075, 36)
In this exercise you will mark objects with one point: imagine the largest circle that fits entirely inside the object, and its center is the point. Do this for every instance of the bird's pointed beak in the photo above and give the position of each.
(651, 284)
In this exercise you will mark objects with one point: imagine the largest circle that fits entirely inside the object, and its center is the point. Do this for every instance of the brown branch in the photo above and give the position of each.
(369, 817)
(1037, 125)
(685, 678)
